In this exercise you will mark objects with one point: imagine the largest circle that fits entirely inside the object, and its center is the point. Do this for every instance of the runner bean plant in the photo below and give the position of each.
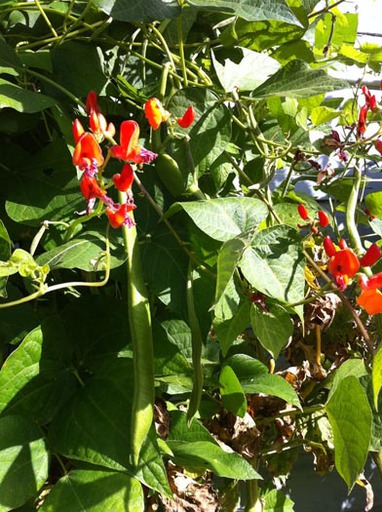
(190, 253)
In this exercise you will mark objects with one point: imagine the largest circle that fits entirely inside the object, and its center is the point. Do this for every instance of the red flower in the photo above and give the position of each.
(129, 150)
(120, 217)
(187, 119)
(124, 180)
(371, 256)
(78, 130)
(99, 126)
(155, 113)
(370, 301)
(378, 145)
(323, 219)
(91, 189)
(87, 153)
(361, 125)
(92, 103)
(343, 265)
(371, 100)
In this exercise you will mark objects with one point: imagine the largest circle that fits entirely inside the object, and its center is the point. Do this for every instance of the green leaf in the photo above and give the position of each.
(226, 297)
(182, 432)
(241, 74)
(95, 427)
(376, 375)
(45, 187)
(85, 252)
(343, 31)
(225, 218)
(232, 394)
(350, 416)
(254, 378)
(22, 100)
(165, 265)
(276, 501)
(250, 10)
(209, 456)
(274, 264)
(297, 80)
(208, 135)
(93, 491)
(34, 379)
(227, 331)
(9, 61)
(143, 10)
(373, 202)
(322, 115)
(23, 461)
(273, 327)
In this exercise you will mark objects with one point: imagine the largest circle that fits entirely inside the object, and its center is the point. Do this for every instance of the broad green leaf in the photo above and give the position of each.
(250, 10)
(22, 100)
(322, 115)
(241, 75)
(343, 31)
(76, 74)
(86, 252)
(276, 501)
(355, 367)
(232, 394)
(38, 195)
(254, 378)
(165, 265)
(182, 432)
(93, 491)
(376, 375)
(350, 416)
(9, 61)
(227, 331)
(272, 326)
(23, 461)
(261, 35)
(13, 331)
(228, 259)
(143, 10)
(208, 135)
(209, 456)
(297, 80)
(274, 264)
(95, 427)
(373, 202)
(34, 380)
(225, 218)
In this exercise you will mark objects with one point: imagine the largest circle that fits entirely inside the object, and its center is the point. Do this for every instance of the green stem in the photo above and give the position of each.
(142, 342)
(179, 26)
(253, 503)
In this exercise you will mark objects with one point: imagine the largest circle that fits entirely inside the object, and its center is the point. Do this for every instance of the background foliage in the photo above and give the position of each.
(236, 282)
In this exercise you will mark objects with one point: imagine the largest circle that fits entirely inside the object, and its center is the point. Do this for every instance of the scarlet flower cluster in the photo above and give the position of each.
(156, 114)
(370, 104)
(344, 264)
(323, 219)
(88, 157)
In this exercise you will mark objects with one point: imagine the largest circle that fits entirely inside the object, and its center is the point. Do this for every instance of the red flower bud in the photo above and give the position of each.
(323, 219)
(91, 103)
(303, 212)
(187, 119)
(77, 130)
(329, 246)
(378, 145)
(371, 256)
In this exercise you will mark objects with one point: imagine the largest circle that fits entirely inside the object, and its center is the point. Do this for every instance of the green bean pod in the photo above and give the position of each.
(142, 342)
(196, 344)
